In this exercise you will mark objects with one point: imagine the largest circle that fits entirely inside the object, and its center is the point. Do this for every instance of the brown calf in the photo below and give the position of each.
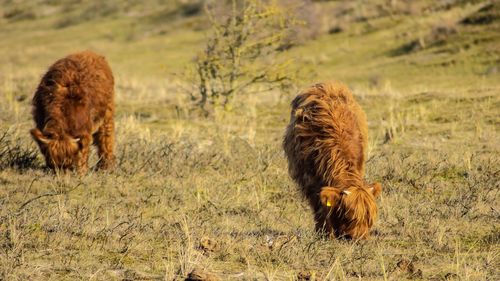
(325, 145)
(73, 107)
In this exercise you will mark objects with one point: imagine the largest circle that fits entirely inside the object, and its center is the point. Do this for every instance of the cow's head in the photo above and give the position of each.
(351, 211)
(60, 150)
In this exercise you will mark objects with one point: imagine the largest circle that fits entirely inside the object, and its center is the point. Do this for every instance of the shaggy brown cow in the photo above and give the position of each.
(325, 144)
(73, 106)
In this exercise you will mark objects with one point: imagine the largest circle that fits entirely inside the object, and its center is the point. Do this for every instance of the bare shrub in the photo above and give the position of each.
(488, 14)
(19, 14)
(95, 10)
(241, 54)
(438, 35)
(312, 21)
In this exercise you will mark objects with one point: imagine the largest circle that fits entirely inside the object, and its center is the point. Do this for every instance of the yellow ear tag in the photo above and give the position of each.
(328, 203)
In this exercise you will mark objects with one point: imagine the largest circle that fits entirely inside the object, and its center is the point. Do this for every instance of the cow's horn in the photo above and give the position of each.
(38, 136)
(346, 192)
(75, 140)
(44, 140)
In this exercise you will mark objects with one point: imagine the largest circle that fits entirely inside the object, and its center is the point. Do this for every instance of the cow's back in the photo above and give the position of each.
(326, 138)
(74, 94)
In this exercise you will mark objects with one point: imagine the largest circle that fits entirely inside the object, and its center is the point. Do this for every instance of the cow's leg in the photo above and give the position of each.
(83, 155)
(321, 217)
(105, 138)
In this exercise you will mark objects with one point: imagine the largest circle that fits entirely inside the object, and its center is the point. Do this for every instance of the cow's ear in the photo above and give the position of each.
(375, 189)
(39, 137)
(329, 196)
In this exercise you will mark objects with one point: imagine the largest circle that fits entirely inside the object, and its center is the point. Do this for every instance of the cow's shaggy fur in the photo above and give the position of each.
(325, 143)
(73, 106)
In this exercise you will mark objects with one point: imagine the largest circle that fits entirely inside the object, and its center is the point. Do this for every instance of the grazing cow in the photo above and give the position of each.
(325, 144)
(73, 106)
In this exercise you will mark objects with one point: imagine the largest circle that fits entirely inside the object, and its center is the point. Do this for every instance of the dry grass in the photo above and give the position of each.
(205, 198)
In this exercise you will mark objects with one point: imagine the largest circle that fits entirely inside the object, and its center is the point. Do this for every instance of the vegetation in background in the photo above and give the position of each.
(241, 53)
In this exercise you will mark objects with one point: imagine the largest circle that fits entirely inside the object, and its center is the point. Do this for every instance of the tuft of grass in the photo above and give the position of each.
(15, 154)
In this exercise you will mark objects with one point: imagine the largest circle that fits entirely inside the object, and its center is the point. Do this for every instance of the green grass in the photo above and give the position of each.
(214, 194)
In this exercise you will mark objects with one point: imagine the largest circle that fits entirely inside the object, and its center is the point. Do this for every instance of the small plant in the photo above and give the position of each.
(14, 155)
(241, 54)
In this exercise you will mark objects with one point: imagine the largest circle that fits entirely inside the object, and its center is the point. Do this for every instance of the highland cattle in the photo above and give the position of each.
(325, 145)
(73, 107)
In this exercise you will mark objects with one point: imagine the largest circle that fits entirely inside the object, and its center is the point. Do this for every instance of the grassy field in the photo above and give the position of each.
(213, 195)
